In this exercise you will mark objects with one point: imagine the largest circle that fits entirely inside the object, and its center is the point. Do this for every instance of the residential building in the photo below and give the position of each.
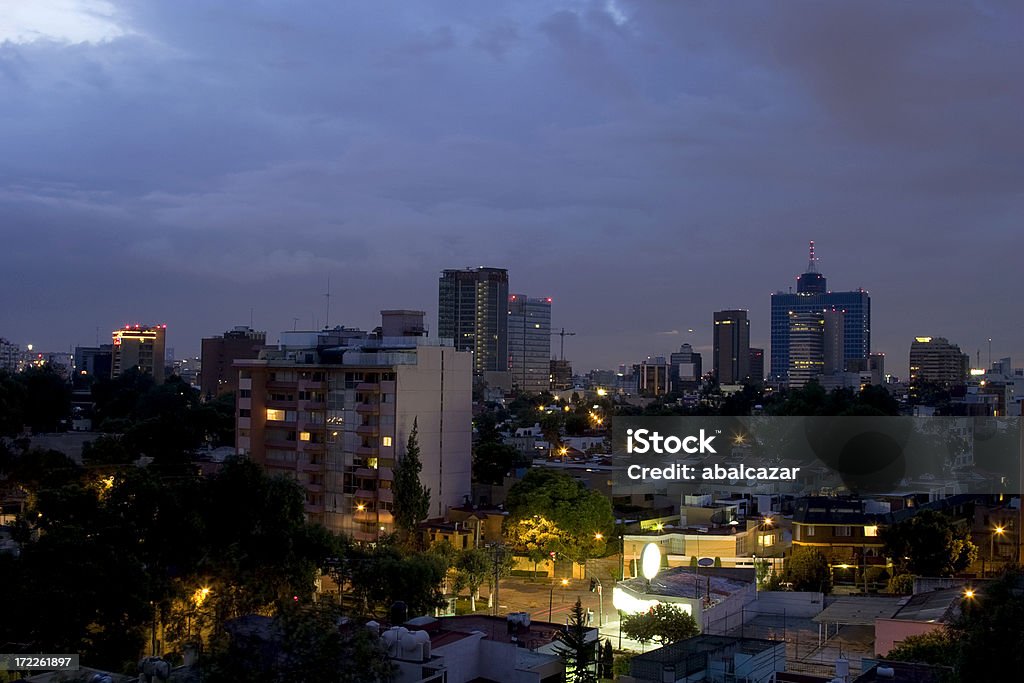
(334, 410)
(936, 360)
(711, 595)
(844, 529)
(813, 296)
(217, 375)
(473, 312)
(921, 613)
(140, 346)
(731, 355)
(806, 347)
(529, 343)
(10, 354)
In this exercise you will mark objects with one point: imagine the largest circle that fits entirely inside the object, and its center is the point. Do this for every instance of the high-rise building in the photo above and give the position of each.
(813, 296)
(529, 343)
(472, 310)
(10, 354)
(806, 347)
(139, 346)
(336, 416)
(756, 365)
(934, 359)
(833, 329)
(652, 376)
(217, 375)
(561, 374)
(731, 355)
(94, 361)
(684, 369)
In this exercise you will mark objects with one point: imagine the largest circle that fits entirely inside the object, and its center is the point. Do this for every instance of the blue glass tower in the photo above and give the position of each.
(812, 295)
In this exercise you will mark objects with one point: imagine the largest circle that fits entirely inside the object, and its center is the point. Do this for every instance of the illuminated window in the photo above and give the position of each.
(371, 463)
(275, 414)
(304, 436)
(871, 531)
(385, 441)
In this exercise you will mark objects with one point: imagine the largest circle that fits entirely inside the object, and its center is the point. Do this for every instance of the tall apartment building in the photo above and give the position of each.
(140, 346)
(756, 365)
(472, 310)
(529, 343)
(216, 374)
(652, 376)
(812, 296)
(10, 354)
(806, 347)
(336, 416)
(934, 359)
(731, 354)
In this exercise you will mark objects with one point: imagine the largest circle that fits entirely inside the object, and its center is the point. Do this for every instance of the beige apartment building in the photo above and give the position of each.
(140, 346)
(337, 419)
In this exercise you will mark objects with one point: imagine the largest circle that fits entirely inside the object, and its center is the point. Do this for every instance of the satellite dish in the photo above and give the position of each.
(705, 562)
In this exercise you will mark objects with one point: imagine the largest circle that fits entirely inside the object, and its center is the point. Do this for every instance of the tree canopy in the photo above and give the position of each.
(412, 499)
(929, 544)
(807, 569)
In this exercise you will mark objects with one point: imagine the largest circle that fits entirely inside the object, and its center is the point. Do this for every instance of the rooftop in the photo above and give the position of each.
(933, 606)
(688, 582)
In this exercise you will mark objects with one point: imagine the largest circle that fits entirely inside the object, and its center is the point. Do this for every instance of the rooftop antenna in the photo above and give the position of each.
(990, 353)
(812, 262)
(250, 318)
(295, 324)
(327, 296)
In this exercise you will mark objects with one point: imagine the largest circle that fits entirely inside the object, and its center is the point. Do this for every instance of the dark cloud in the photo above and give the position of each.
(643, 163)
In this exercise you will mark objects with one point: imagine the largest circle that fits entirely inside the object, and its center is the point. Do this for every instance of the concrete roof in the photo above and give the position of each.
(858, 611)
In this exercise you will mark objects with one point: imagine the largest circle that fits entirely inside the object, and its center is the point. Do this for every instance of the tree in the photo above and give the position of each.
(472, 567)
(664, 623)
(536, 537)
(807, 569)
(577, 651)
(901, 584)
(607, 662)
(47, 398)
(987, 634)
(935, 647)
(929, 544)
(581, 518)
(492, 461)
(412, 499)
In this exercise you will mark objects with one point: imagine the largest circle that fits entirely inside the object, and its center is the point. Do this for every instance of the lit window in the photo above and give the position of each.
(275, 414)
(385, 441)
(871, 531)
(304, 436)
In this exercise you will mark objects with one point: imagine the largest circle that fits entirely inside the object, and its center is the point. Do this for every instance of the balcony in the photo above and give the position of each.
(366, 451)
(366, 472)
(386, 474)
(368, 387)
(368, 408)
(367, 430)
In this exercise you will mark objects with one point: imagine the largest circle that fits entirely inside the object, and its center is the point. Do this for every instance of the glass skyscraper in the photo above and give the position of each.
(812, 296)
(472, 310)
(529, 343)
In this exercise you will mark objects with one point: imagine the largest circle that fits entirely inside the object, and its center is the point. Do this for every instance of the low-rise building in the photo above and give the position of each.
(712, 659)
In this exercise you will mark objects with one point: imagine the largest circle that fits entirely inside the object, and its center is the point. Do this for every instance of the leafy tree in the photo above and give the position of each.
(607, 661)
(12, 405)
(536, 537)
(935, 647)
(412, 499)
(807, 569)
(472, 567)
(929, 544)
(987, 634)
(577, 513)
(47, 398)
(578, 653)
(385, 574)
(492, 461)
(664, 623)
(901, 584)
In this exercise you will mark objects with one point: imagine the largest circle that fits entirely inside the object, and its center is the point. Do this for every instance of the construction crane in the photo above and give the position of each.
(563, 334)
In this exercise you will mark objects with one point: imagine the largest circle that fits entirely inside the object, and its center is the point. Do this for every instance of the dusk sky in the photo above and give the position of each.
(643, 163)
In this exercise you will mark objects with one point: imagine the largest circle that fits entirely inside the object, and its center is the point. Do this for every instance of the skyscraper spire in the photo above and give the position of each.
(811, 282)
(812, 262)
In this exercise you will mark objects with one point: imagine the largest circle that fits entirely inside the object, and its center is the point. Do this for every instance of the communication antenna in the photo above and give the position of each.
(563, 334)
(812, 262)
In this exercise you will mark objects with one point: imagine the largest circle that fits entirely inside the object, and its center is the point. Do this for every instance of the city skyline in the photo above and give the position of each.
(643, 165)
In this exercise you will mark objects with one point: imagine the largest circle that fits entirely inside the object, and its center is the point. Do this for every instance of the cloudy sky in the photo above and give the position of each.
(643, 163)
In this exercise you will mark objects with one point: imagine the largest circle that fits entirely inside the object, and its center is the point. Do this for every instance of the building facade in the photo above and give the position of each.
(139, 346)
(529, 343)
(216, 374)
(338, 419)
(472, 310)
(813, 296)
(934, 359)
(731, 355)
(684, 369)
